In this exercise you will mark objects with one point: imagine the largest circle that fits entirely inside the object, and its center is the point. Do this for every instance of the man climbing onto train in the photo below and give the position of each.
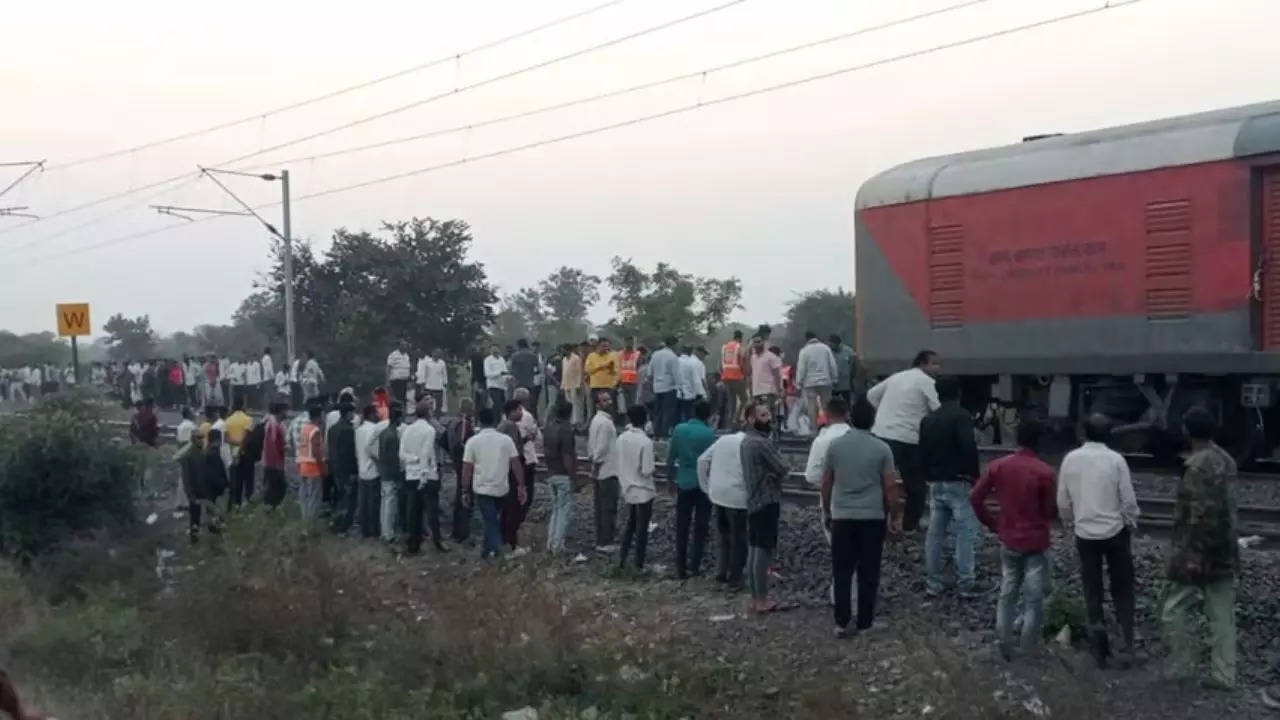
(901, 402)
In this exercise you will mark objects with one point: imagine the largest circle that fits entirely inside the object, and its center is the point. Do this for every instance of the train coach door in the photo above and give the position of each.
(1267, 274)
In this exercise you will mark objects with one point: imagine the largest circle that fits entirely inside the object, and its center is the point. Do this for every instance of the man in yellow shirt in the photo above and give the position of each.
(602, 370)
(239, 423)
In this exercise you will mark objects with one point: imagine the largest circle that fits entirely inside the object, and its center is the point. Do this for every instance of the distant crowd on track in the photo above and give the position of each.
(881, 459)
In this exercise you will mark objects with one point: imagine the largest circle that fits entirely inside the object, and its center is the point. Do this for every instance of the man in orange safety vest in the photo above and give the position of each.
(628, 373)
(732, 363)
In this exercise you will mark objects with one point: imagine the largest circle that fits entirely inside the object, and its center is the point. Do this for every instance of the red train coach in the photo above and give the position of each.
(1133, 271)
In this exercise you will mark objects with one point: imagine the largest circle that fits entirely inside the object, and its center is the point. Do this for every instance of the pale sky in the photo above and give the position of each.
(760, 188)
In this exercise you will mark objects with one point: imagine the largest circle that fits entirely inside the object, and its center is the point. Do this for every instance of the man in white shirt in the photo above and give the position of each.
(902, 401)
(269, 383)
(433, 376)
(186, 427)
(237, 373)
(720, 474)
(422, 473)
(191, 372)
(837, 425)
(487, 460)
(224, 378)
(532, 435)
(664, 369)
(253, 384)
(495, 378)
(602, 439)
(312, 378)
(816, 374)
(398, 370)
(282, 385)
(1096, 501)
(370, 489)
(691, 383)
(635, 482)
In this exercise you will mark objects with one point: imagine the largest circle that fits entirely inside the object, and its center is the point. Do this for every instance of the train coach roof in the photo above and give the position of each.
(1203, 137)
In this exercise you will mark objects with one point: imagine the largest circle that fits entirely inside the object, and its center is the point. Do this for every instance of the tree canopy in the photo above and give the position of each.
(32, 349)
(413, 280)
(129, 338)
(825, 312)
(664, 302)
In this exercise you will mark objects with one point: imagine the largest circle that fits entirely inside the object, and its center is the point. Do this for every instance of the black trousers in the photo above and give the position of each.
(276, 487)
(404, 489)
(906, 458)
(604, 500)
(498, 397)
(856, 547)
(345, 502)
(241, 482)
(637, 531)
(425, 498)
(664, 412)
(461, 513)
(693, 507)
(1116, 552)
(399, 390)
(731, 547)
(530, 472)
(370, 501)
(684, 410)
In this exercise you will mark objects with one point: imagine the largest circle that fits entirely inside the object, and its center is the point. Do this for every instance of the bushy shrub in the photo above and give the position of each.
(63, 470)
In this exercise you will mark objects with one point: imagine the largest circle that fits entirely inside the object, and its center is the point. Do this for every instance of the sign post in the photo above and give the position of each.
(73, 321)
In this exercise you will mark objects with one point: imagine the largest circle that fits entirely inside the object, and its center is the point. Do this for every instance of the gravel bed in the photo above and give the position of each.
(1249, 491)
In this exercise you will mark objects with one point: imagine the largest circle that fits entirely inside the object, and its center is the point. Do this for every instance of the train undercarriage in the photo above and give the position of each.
(1145, 408)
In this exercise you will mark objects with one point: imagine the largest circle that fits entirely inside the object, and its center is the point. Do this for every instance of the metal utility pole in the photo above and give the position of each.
(288, 271)
(286, 238)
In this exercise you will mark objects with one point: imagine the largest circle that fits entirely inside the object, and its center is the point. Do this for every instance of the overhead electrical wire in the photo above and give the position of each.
(340, 91)
(627, 90)
(408, 106)
(1004, 32)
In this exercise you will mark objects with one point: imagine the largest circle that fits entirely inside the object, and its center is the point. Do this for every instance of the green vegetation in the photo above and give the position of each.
(61, 473)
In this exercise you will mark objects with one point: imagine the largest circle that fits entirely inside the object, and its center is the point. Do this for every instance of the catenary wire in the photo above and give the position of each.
(341, 91)
(418, 103)
(627, 90)
(1111, 5)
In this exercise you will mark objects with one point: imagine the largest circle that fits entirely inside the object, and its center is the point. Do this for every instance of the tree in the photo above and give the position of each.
(554, 312)
(32, 349)
(824, 312)
(411, 281)
(669, 302)
(130, 339)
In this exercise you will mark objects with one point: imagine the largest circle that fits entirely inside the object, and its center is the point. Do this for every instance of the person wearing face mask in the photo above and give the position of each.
(763, 470)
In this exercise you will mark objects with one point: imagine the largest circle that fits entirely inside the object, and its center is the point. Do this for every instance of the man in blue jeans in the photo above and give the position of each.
(562, 460)
(1023, 485)
(948, 456)
(487, 459)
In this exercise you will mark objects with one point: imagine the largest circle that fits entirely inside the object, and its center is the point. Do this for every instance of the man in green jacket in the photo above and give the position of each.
(689, 440)
(1204, 556)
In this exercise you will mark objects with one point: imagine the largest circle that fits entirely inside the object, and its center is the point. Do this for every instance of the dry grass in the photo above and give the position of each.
(270, 623)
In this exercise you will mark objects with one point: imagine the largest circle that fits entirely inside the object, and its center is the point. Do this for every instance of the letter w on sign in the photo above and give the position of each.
(73, 319)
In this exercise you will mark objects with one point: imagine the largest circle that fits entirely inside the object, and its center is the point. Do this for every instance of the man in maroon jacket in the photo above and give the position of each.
(1024, 487)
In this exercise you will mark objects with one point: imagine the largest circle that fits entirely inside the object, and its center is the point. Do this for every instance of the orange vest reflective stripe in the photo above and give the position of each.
(308, 463)
(731, 361)
(627, 362)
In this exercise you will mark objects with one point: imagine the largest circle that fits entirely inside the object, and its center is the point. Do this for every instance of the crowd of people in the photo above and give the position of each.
(671, 378)
(883, 460)
(27, 384)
